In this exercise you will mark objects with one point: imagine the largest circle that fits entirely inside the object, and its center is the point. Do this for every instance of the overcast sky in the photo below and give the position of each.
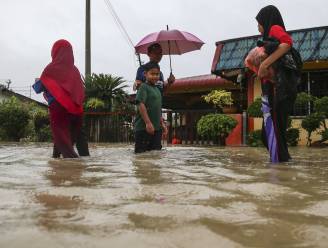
(30, 27)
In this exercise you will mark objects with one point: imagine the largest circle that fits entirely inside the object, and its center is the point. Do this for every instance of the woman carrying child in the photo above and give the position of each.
(278, 92)
(64, 91)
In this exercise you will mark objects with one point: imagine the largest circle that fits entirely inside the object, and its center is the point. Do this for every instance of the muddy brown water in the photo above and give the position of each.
(178, 197)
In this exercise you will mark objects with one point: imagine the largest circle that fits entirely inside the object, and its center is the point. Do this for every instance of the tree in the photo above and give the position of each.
(107, 88)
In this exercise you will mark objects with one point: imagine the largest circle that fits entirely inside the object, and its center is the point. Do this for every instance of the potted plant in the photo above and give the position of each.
(216, 126)
(222, 100)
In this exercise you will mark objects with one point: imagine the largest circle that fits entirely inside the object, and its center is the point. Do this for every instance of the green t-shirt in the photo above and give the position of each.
(150, 96)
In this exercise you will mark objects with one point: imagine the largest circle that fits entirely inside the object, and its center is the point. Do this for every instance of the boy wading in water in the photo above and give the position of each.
(149, 122)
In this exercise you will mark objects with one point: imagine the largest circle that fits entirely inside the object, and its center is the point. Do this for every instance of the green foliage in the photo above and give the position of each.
(219, 98)
(44, 134)
(254, 110)
(14, 119)
(311, 123)
(321, 106)
(216, 125)
(107, 88)
(303, 99)
(289, 122)
(40, 119)
(255, 138)
(293, 136)
(41, 125)
(2, 135)
(324, 135)
(94, 104)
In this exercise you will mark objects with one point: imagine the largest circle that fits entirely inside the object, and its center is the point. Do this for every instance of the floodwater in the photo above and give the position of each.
(178, 197)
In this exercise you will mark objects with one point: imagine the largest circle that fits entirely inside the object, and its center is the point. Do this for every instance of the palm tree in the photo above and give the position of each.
(108, 88)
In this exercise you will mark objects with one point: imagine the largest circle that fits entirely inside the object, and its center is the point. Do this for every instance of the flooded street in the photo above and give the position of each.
(178, 197)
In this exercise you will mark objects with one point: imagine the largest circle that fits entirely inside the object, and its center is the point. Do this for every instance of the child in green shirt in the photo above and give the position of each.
(149, 121)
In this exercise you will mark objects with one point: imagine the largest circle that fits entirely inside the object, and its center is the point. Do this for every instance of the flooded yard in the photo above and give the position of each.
(178, 197)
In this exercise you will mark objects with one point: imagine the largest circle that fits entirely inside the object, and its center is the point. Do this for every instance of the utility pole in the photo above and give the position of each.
(87, 38)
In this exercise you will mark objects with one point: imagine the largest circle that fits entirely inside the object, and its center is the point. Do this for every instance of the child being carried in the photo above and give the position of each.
(258, 54)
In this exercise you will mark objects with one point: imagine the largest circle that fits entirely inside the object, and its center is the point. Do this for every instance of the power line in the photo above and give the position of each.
(119, 23)
(121, 28)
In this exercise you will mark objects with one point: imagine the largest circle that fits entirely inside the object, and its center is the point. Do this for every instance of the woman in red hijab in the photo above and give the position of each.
(63, 89)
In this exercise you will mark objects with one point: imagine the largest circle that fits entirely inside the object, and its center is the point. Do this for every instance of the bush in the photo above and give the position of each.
(2, 135)
(41, 125)
(219, 98)
(14, 119)
(293, 136)
(40, 119)
(254, 110)
(255, 138)
(44, 134)
(324, 135)
(303, 99)
(216, 126)
(321, 106)
(311, 123)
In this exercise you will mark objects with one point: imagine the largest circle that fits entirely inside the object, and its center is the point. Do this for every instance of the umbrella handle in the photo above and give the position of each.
(139, 59)
(170, 57)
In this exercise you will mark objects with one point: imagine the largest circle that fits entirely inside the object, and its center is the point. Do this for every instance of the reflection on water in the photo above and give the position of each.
(178, 197)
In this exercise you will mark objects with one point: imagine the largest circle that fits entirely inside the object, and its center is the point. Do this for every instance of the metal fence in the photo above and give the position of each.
(182, 125)
(118, 126)
(109, 127)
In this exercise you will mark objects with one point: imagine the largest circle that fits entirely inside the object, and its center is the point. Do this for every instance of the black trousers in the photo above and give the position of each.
(146, 142)
(280, 121)
(280, 111)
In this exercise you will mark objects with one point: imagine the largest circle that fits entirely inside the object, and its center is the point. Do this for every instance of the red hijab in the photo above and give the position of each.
(62, 79)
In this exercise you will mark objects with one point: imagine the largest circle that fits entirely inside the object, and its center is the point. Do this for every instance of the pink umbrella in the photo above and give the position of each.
(171, 41)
